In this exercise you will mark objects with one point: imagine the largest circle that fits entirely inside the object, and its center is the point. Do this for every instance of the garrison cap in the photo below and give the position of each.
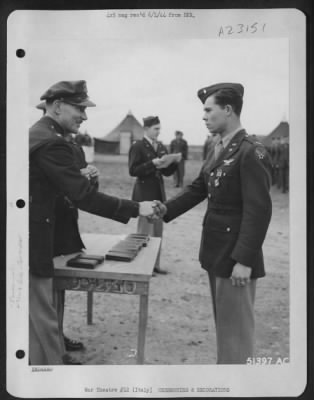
(150, 121)
(209, 90)
(72, 92)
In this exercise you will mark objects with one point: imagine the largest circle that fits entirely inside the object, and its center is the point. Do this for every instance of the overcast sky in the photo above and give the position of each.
(155, 72)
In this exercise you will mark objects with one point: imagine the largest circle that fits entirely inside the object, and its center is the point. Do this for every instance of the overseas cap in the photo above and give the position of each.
(209, 90)
(73, 92)
(150, 121)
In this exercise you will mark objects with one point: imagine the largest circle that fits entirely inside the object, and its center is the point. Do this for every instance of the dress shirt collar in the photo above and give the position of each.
(150, 141)
(226, 139)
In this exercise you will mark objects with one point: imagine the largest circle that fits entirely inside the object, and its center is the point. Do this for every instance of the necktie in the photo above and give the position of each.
(218, 149)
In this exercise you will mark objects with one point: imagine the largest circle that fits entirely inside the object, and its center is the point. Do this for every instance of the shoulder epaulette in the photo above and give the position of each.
(252, 140)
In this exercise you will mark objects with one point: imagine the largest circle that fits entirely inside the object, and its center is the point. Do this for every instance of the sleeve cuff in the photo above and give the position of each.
(245, 256)
(126, 209)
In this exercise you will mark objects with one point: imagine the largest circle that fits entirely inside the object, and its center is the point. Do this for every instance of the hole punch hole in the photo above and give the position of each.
(20, 203)
(20, 53)
(20, 354)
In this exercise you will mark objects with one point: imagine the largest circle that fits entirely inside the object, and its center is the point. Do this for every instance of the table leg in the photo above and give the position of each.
(89, 308)
(59, 306)
(142, 328)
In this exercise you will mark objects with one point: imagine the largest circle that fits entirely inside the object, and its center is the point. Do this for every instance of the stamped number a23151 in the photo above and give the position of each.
(237, 29)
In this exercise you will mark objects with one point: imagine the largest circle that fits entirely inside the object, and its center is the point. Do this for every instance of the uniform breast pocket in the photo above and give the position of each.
(228, 177)
(228, 189)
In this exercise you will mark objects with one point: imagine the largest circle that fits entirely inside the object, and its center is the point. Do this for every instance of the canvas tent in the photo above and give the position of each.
(282, 130)
(119, 140)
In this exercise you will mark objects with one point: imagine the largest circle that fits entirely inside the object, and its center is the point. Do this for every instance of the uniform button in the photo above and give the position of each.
(209, 195)
(211, 174)
(48, 220)
(228, 229)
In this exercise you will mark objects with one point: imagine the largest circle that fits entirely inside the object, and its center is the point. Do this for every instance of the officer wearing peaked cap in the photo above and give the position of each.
(72, 92)
(53, 171)
(235, 178)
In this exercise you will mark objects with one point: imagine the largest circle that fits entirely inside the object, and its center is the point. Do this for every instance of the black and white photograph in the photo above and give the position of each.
(156, 240)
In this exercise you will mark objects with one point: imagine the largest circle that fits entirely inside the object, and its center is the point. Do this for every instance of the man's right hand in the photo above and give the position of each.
(160, 209)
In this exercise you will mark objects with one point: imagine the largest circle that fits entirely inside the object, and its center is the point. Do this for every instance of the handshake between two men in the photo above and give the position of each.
(152, 209)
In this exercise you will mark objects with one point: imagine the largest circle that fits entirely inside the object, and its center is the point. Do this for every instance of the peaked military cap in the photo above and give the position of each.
(209, 90)
(150, 121)
(73, 92)
(41, 106)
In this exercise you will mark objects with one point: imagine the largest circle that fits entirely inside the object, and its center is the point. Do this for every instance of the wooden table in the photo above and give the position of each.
(131, 278)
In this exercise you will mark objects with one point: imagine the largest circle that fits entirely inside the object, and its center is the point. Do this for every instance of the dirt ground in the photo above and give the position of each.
(180, 324)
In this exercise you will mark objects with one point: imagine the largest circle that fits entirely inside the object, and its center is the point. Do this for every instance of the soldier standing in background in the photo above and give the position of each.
(146, 165)
(283, 164)
(207, 145)
(272, 151)
(275, 162)
(179, 145)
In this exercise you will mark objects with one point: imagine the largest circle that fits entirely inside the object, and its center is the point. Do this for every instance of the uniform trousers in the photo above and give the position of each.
(284, 179)
(234, 318)
(179, 173)
(154, 229)
(46, 346)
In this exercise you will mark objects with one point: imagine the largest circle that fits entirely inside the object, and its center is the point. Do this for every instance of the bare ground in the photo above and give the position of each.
(180, 326)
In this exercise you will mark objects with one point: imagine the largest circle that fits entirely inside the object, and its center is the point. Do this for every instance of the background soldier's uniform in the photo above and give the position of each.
(209, 142)
(275, 154)
(283, 164)
(53, 171)
(234, 227)
(179, 146)
(149, 184)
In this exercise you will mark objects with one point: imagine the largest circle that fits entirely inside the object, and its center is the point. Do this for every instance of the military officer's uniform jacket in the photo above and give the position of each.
(67, 238)
(149, 184)
(53, 171)
(239, 206)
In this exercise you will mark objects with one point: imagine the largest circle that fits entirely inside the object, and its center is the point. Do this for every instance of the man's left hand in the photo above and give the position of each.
(93, 171)
(240, 275)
